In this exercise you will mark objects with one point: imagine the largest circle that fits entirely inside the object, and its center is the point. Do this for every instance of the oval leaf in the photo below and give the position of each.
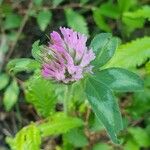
(11, 95)
(120, 79)
(4, 79)
(105, 107)
(43, 19)
(104, 45)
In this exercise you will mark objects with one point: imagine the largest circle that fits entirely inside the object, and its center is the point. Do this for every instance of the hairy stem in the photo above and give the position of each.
(67, 97)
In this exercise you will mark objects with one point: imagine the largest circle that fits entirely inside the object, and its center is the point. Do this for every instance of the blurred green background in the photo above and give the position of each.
(22, 22)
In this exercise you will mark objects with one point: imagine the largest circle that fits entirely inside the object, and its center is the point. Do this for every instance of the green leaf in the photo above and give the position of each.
(6, 9)
(95, 125)
(4, 79)
(76, 21)
(59, 123)
(38, 2)
(3, 46)
(11, 95)
(36, 50)
(140, 104)
(140, 136)
(140, 13)
(138, 50)
(101, 146)
(76, 137)
(120, 79)
(147, 67)
(22, 64)
(27, 139)
(131, 145)
(78, 88)
(136, 19)
(12, 21)
(125, 5)
(104, 46)
(100, 21)
(40, 93)
(44, 18)
(84, 1)
(132, 24)
(56, 2)
(105, 107)
(109, 9)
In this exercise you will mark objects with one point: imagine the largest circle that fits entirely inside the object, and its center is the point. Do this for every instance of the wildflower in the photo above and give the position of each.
(67, 58)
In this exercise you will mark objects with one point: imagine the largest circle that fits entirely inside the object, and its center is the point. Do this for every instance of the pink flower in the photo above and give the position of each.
(67, 58)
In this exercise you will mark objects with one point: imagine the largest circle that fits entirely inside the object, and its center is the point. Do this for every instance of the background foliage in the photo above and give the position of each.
(26, 98)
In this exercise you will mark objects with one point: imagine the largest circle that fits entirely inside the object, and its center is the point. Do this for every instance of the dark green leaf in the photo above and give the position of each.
(104, 45)
(120, 79)
(105, 107)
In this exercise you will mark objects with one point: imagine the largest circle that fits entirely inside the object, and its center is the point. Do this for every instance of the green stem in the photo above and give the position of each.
(67, 97)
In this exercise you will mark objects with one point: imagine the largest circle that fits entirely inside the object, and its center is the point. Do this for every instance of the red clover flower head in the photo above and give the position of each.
(67, 56)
